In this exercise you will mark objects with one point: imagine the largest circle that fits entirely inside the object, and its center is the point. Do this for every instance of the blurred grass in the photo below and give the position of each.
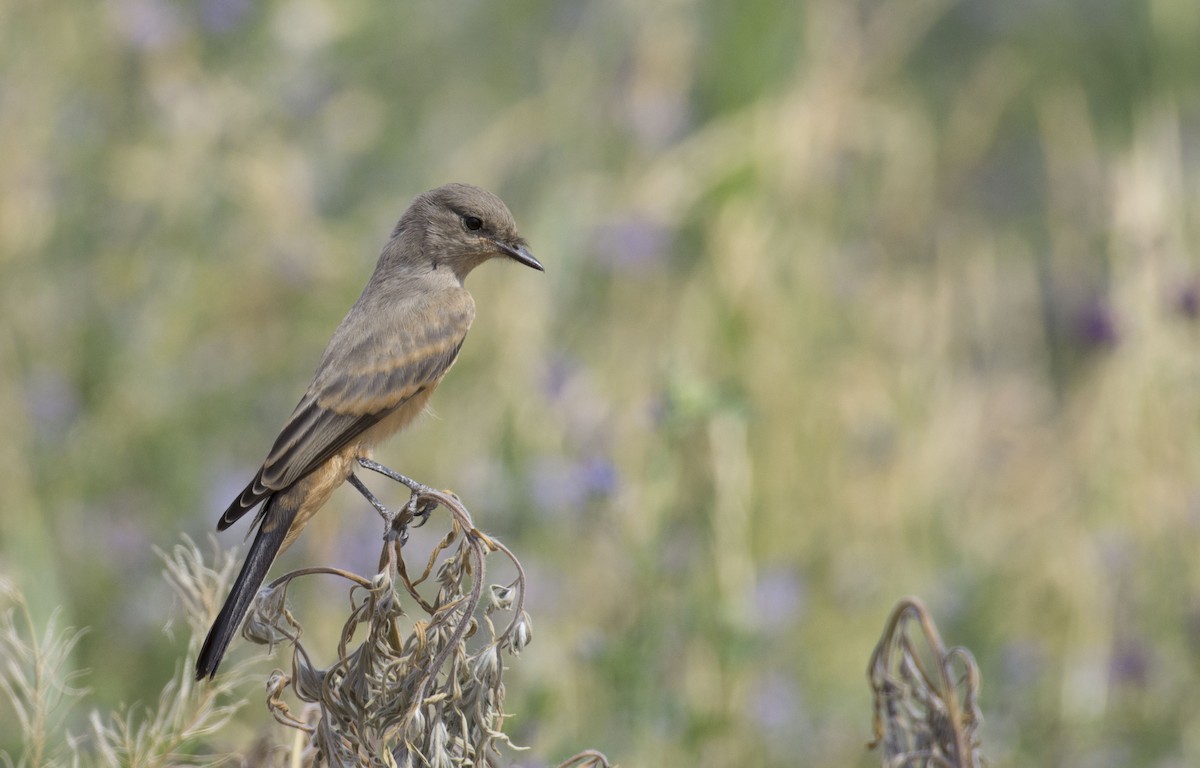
(845, 301)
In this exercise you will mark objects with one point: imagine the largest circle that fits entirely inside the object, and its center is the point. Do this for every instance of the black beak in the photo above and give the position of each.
(520, 253)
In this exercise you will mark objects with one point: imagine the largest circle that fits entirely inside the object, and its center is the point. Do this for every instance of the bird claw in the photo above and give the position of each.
(396, 529)
(419, 509)
(419, 505)
(414, 514)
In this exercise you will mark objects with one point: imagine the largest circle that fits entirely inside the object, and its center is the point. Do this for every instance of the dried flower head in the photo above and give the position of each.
(921, 718)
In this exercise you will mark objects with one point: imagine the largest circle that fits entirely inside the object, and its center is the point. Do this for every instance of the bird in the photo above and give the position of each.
(381, 365)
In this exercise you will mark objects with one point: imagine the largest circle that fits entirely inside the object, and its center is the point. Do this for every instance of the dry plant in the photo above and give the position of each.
(587, 759)
(429, 695)
(35, 679)
(38, 680)
(920, 718)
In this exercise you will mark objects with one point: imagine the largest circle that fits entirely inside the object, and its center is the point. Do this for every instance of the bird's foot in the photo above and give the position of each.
(395, 524)
(420, 509)
(419, 504)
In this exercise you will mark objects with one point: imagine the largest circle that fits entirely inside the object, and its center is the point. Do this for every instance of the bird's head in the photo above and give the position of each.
(460, 227)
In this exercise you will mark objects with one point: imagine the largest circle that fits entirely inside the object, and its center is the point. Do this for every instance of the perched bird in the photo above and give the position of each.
(382, 364)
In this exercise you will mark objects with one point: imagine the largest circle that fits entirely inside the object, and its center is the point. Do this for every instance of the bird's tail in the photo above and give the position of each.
(276, 519)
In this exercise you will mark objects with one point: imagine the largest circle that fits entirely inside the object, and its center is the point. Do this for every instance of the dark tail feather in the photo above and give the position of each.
(267, 541)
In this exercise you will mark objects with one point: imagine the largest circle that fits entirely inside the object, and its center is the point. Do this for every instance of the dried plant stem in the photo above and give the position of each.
(433, 695)
(918, 715)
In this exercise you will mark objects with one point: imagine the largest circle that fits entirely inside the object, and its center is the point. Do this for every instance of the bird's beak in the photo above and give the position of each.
(520, 253)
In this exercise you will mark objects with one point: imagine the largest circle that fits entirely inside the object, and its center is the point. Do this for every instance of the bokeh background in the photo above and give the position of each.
(845, 300)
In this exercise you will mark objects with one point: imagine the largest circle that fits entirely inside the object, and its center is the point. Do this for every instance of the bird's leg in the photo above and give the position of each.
(396, 524)
(383, 511)
(419, 511)
(408, 482)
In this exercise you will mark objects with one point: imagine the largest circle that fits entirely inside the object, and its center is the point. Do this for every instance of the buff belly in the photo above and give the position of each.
(312, 492)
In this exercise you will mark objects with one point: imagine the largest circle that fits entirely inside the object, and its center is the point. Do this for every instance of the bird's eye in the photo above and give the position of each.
(472, 222)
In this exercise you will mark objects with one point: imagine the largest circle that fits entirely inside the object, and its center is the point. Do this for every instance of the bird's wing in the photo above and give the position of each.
(364, 376)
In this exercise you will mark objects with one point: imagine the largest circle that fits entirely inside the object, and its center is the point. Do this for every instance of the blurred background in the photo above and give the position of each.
(845, 300)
